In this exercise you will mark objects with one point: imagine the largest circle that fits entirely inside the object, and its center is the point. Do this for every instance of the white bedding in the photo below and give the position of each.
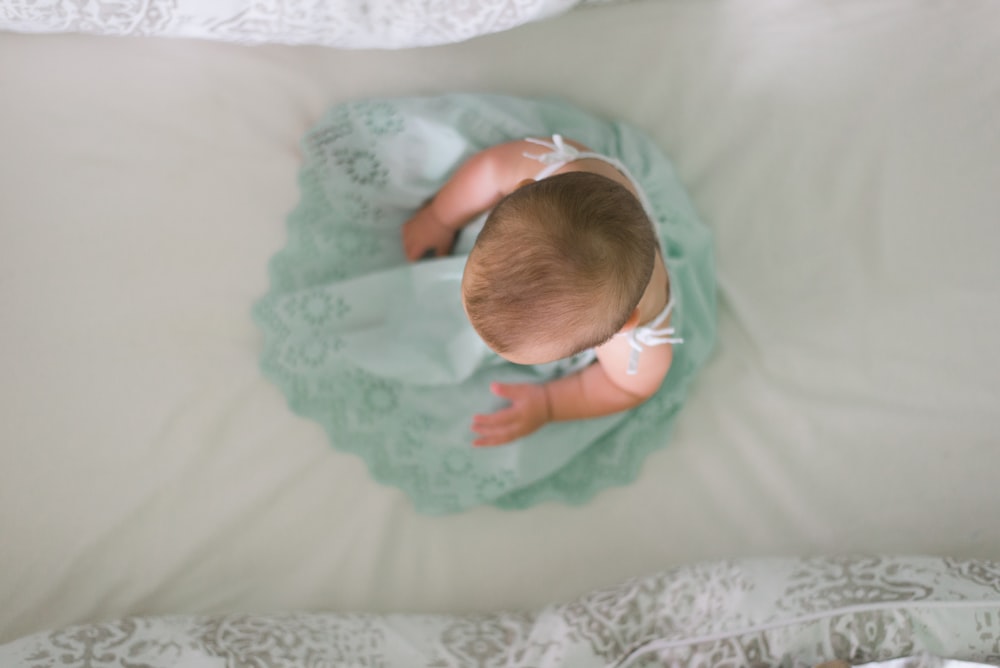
(793, 613)
(378, 24)
(847, 156)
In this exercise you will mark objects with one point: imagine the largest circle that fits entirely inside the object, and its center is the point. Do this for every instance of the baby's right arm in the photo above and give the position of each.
(476, 187)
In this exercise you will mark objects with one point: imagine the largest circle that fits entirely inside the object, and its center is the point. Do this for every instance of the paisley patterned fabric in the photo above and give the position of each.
(753, 613)
(379, 24)
(379, 351)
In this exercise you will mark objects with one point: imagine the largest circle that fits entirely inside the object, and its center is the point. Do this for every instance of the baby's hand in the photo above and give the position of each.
(425, 235)
(528, 411)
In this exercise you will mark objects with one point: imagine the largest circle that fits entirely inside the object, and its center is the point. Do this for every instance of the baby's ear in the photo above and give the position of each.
(631, 323)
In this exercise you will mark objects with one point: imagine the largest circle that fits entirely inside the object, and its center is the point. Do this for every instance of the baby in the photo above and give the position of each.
(567, 261)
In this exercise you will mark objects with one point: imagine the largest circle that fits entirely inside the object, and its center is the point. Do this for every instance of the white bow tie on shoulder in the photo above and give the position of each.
(559, 151)
(649, 336)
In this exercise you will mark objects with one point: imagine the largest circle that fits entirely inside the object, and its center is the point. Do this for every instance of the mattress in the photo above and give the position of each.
(846, 157)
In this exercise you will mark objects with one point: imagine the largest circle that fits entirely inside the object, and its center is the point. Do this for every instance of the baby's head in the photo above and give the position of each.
(559, 267)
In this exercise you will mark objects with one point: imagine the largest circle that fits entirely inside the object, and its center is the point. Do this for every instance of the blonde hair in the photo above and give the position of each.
(565, 258)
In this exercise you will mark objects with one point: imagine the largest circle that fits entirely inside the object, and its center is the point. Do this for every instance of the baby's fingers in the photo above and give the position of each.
(490, 442)
(497, 428)
(495, 436)
(421, 252)
(501, 417)
(411, 247)
(509, 391)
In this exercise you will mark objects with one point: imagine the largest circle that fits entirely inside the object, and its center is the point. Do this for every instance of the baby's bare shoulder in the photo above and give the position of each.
(653, 364)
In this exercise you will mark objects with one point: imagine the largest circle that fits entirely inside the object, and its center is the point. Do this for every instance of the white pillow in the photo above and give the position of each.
(754, 613)
(379, 24)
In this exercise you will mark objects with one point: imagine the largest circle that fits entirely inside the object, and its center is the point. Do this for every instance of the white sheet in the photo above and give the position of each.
(847, 156)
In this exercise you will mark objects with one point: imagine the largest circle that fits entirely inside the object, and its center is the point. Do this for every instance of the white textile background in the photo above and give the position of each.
(845, 155)
(352, 24)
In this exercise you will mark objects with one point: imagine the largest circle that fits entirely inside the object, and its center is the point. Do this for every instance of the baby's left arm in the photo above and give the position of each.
(600, 389)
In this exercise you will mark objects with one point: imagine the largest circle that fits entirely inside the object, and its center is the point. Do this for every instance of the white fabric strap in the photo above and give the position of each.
(649, 336)
(559, 155)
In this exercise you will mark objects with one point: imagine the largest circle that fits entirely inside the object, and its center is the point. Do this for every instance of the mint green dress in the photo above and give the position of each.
(379, 351)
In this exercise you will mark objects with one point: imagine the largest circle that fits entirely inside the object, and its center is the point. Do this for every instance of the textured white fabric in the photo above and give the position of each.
(353, 24)
(845, 155)
(793, 613)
